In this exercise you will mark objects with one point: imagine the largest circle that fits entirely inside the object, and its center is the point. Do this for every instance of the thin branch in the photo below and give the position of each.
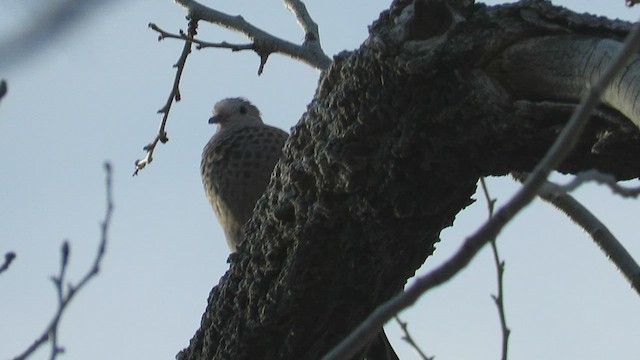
(608, 243)
(500, 265)
(604, 179)
(472, 245)
(3, 88)
(59, 282)
(200, 44)
(409, 339)
(264, 43)
(65, 297)
(491, 202)
(8, 259)
(161, 135)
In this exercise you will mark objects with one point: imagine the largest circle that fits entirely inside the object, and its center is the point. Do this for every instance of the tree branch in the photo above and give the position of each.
(598, 177)
(65, 297)
(310, 28)
(614, 250)
(500, 264)
(409, 339)
(8, 259)
(3, 88)
(161, 136)
(472, 245)
(200, 44)
(264, 44)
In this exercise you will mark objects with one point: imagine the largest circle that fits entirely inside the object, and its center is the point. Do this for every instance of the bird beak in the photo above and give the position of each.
(214, 119)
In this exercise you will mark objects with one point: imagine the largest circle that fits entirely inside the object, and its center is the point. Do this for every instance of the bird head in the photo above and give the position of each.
(233, 111)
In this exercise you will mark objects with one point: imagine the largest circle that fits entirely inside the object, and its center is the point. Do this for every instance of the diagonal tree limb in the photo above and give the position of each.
(608, 243)
(472, 245)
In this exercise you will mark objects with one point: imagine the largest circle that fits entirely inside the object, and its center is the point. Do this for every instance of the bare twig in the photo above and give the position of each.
(8, 259)
(3, 88)
(161, 136)
(264, 44)
(500, 264)
(409, 339)
(472, 245)
(605, 179)
(200, 44)
(65, 297)
(613, 249)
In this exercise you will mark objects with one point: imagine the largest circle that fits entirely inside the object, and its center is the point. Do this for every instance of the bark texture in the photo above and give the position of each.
(387, 154)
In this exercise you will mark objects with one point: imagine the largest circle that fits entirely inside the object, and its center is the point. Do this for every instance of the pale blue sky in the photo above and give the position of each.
(92, 95)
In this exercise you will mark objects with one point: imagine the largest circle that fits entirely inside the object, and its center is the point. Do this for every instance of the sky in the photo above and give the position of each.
(91, 95)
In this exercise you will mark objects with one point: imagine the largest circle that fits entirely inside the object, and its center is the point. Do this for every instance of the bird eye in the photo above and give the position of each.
(243, 109)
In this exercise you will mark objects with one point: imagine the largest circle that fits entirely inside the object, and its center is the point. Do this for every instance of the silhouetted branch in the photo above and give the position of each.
(409, 339)
(489, 230)
(8, 259)
(3, 89)
(500, 264)
(200, 44)
(604, 179)
(161, 136)
(65, 297)
(613, 249)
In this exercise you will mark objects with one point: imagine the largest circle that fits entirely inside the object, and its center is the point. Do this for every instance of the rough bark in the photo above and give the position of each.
(387, 154)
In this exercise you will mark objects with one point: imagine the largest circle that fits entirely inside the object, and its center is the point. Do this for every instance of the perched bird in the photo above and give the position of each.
(236, 167)
(237, 163)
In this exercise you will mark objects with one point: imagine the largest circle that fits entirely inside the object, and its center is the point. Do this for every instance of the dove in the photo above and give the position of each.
(237, 163)
(236, 167)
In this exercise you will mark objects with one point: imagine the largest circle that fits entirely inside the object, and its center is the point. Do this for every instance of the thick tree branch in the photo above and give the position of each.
(386, 155)
(472, 245)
